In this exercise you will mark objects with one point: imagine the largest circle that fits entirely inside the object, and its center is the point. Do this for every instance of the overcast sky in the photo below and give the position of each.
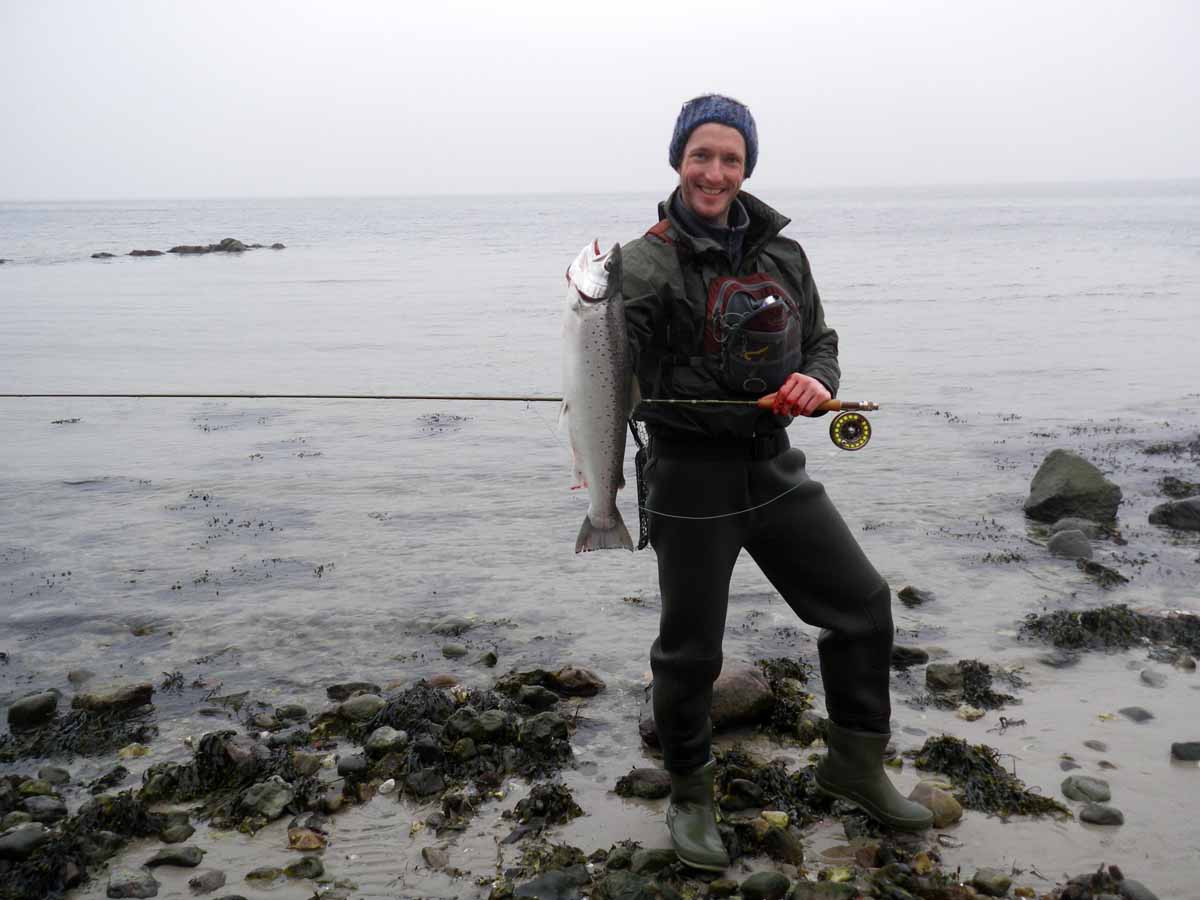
(108, 99)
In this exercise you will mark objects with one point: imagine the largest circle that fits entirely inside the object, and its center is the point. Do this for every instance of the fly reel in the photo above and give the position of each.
(850, 430)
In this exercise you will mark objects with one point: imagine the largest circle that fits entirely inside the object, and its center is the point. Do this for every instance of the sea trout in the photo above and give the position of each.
(598, 392)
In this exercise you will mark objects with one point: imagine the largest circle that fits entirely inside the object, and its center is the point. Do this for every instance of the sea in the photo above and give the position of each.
(276, 546)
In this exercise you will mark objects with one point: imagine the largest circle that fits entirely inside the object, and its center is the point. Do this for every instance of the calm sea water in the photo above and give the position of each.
(276, 546)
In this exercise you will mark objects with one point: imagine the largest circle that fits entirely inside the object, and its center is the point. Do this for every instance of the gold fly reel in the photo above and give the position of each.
(850, 430)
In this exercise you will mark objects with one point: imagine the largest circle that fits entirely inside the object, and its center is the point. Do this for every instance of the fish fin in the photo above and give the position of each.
(593, 538)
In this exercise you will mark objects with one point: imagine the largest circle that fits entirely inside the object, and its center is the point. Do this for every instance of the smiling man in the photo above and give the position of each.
(720, 306)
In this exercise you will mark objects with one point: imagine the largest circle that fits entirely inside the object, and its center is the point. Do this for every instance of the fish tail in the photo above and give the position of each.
(593, 538)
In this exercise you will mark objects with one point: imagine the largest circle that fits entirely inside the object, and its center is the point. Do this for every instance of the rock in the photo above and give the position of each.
(384, 740)
(495, 725)
(576, 681)
(722, 887)
(145, 253)
(904, 657)
(775, 818)
(44, 809)
(79, 677)
(1182, 514)
(536, 697)
(184, 855)
(488, 659)
(291, 712)
(945, 808)
(305, 867)
(537, 732)
(307, 763)
(1135, 890)
(103, 254)
(353, 765)
(207, 881)
(1083, 787)
(1090, 529)
(741, 696)
(190, 248)
(1185, 662)
(1153, 679)
(1187, 751)
(296, 736)
(424, 782)
(228, 245)
(911, 596)
(278, 246)
(176, 834)
(1099, 814)
(765, 886)
(18, 843)
(557, 884)
(783, 844)
(742, 793)
(115, 698)
(454, 651)
(348, 689)
(264, 875)
(36, 787)
(131, 883)
(14, 818)
(1136, 714)
(1066, 484)
(1070, 544)
(54, 775)
(823, 890)
(991, 882)
(452, 626)
(32, 711)
(1059, 659)
(943, 677)
(362, 707)
(268, 798)
(435, 857)
(969, 713)
(651, 862)
(649, 784)
(464, 723)
(1098, 746)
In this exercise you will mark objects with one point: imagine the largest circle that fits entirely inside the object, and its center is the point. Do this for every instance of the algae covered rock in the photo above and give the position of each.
(1066, 484)
(1182, 514)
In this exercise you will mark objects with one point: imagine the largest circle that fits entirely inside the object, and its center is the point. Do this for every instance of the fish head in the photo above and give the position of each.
(594, 277)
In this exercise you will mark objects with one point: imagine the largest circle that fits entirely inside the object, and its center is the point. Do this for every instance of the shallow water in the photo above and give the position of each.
(279, 546)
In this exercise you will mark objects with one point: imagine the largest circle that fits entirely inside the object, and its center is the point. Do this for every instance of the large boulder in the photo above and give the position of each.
(1184, 514)
(32, 711)
(115, 698)
(741, 696)
(1066, 484)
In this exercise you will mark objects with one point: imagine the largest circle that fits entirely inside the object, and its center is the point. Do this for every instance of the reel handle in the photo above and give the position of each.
(768, 402)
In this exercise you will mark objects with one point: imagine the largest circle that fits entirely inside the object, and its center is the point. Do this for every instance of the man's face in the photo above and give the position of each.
(712, 171)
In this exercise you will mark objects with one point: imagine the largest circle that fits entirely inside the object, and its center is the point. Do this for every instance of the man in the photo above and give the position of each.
(719, 306)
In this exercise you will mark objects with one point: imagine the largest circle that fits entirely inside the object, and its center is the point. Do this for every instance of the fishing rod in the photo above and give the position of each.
(850, 430)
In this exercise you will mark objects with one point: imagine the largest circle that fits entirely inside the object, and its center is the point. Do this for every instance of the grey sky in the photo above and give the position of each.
(306, 97)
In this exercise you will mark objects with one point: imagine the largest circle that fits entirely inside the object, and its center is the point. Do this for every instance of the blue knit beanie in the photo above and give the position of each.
(713, 108)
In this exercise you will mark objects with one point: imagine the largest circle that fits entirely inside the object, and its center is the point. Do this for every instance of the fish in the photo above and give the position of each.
(599, 391)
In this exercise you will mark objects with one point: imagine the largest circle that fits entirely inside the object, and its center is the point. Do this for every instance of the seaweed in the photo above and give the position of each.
(1113, 628)
(982, 783)
(977, 686)
(551, 804)
(787, 678)
(794, 792)
(80, 733)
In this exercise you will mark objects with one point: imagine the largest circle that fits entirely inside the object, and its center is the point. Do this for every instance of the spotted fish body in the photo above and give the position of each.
(597, 392)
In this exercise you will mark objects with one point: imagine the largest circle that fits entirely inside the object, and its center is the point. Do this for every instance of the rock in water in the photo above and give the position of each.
(117, 698)
(1066, 484)
(765, 886)
(1187, 751)
(1070, 544)
(911, 596)
(29, 712)
(650, 784)
(1182, 514)
(1092, 530)
(991, 882)
(741, 696)
(131, 883)
(206, 882)
(1099, 814)
(1082, 787)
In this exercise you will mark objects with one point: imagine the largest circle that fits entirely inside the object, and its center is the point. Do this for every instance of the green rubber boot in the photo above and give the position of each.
(692, 819)
(853, 771)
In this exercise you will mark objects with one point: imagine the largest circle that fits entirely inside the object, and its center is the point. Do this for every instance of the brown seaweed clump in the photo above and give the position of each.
(788, 679)
(81, 733)
(1114, 627)
(977, 686)
(982, 783)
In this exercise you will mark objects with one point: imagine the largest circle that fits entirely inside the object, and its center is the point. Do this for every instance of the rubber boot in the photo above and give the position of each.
(692, 819)
(853, 771)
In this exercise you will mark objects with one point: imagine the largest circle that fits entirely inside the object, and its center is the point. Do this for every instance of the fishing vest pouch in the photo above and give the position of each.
(753, 331)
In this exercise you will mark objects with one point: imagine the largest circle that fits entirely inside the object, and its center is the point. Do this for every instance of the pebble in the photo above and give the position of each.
(904, 657)
(1135, 890)
(1136, 713)
(435, 857)
(305, 867)
(1083, 787)
(1099, 814)
(305, 839)
(742, 794)
(969, 712)
(537, 697)
(649, 784)
(352, 765)
(131, 883)
(115, 698)
(776, 818)
(911, 596)
(21, 841)
(650, 862)
(1152, 678)
(184, 855)
(44, 809)
(1059, 659)
(388, 786)
(1099, 746)
(361, 707)
(1187, 751)
(264, 874)
(1068, 764)
(1185, 662)
(452, 626)
(945, 808)
(943, 677)
(34, 710)
(1070, 544)
(348, 689)
(454, 651)
(207, 881)
(385, 739)
(992, 882)
(54, 775)
(765, 886)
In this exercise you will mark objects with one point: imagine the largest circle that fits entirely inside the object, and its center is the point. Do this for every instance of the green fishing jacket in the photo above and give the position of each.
(664, 284)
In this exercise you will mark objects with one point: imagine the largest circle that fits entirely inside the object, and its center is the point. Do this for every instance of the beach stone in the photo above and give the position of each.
(228, 245)
(103, 254)
(352, 765)
(783, 844)
(305, 867)
(278, 246)
(945, 808)
(307, 762)
(619, 857)
(454, 651)
(776, 818)
(576, 681)
(79, 677)
(207, 881)
(540, 730)
(722, 887)
(291, 712)
(1098, 746)
(1182, 514)
(296, 736)
(741, 696)
(115, 698)
(765, 886)
(1070, 544)
(991, 882)
(742, 794)
(1066, 484)
(465, 723)
(649, 784)
(495, 725)
(44, 809)
(451, 626)
(1084, 787)
(385, 739)
(537, 697)
(904, 657)
(1136, 714)
(557, 884)
(54, 775)
(185, 855)
(943, 677)
(435, 857)
(823, 890)
(1090, 529)
(1188, 751)
(1185, 662)
(264, 874)
(487, 658)
(15, 818)
(1059, 659)
(912, 596)
(268, 798)
(145, 253)
(424, 782)
(651, 862)
(32, 711)
(1153, 679)
(36, 787)
(18, 843)
(176, 834)
(362, 707)
(1135, 890)
(347, 689)
(1099, 814)
(131, 883)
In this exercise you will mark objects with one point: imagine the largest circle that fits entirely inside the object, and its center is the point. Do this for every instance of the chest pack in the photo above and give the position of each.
(754, 332)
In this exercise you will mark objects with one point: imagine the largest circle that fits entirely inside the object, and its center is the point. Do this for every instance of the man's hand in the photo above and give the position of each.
(799, 396)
